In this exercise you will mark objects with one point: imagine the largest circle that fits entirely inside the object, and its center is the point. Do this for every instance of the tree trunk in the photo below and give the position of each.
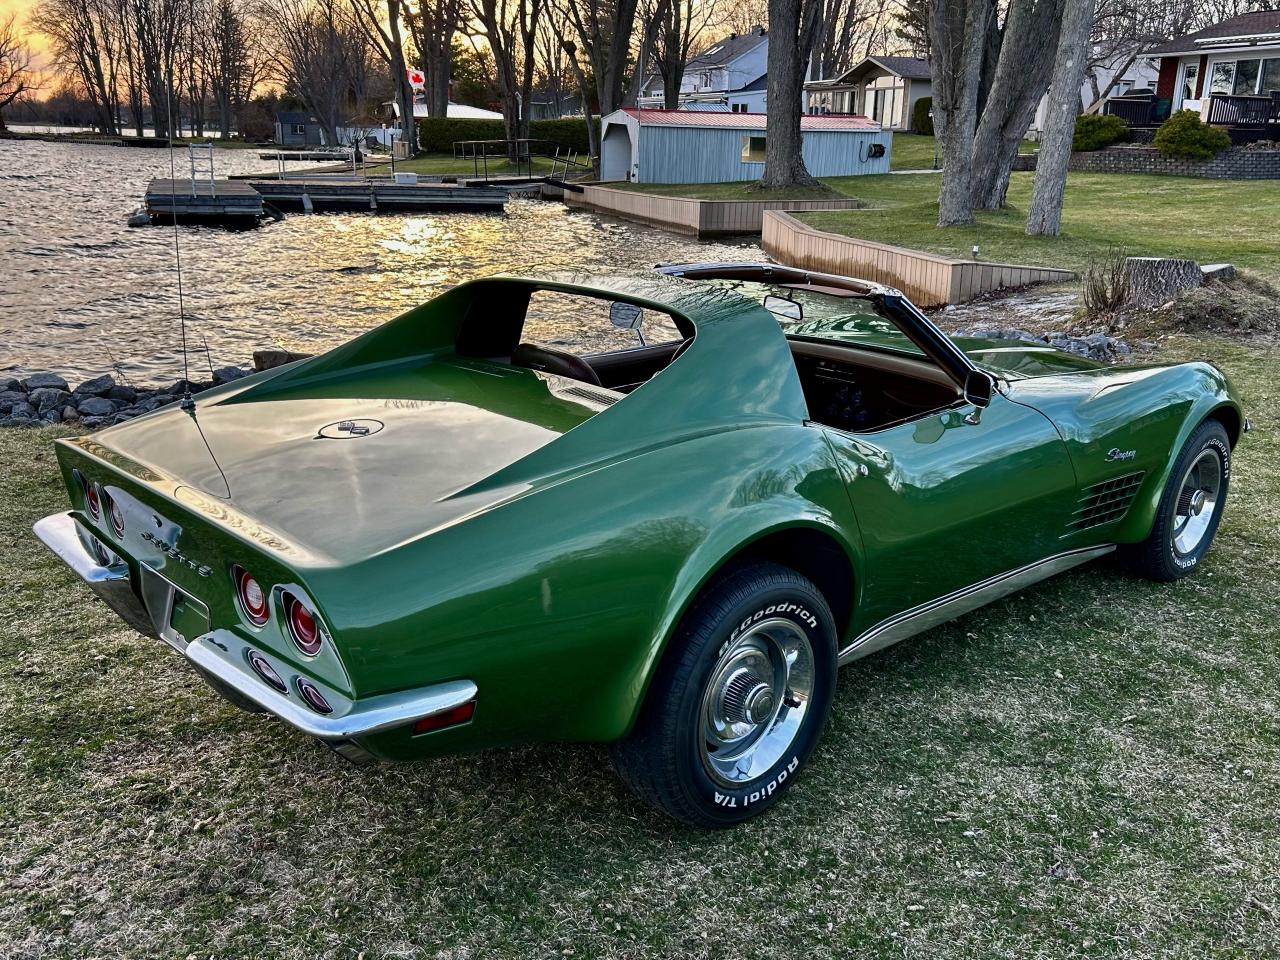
(793, 27)
(958, 36)
(1045, 216)
(1020, 78)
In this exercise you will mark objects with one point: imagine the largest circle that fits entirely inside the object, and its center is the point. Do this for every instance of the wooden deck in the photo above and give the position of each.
(928, 279)
(228, 201)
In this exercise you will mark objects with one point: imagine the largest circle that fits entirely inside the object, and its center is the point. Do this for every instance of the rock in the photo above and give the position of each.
(96, 422)
(1157, 280)
(48, 398)
(128, 413)
(70, 413)
(1123, 349)
(98, 386)
(1217, 271)
(9, 397)
(22, 411)
(96, 407)
(8, 383)
(52, 415)
(18, 422)
(122, 393)
(227, 374)
(266, 359)
(38, 380)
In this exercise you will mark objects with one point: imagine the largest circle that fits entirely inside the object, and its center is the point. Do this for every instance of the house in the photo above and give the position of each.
(717, 146)
(730, 75)
(553, 105)
(1123, 75)
(297, 128)
(1228, 72)
(883, 88)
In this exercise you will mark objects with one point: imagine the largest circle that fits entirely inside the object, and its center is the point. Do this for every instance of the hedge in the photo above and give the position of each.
(921, 122)
(1097, 130)
(1183, 135)
(437, 134)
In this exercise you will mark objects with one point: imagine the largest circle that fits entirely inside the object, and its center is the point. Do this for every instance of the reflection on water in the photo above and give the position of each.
(80, 292)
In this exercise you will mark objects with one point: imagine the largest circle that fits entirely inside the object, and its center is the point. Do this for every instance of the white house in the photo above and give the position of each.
(701, 146)
(730, 75)
(883, 88)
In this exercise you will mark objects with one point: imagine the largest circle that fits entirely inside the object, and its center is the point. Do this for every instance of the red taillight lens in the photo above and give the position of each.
(302, 625)
(253, 599)
(312, 695)
(266, 671)
(116, 514)
(450, 718)
(90, 496)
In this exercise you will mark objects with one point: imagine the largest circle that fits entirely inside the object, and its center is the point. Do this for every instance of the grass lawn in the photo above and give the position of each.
(1087, 769)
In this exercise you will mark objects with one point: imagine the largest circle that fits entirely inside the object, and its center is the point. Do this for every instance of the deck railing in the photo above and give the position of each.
(1135, 111)
(1243, 111)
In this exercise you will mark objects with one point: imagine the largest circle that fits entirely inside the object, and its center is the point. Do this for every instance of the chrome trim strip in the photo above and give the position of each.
(62, 534)
(940, 610)
(221, 653)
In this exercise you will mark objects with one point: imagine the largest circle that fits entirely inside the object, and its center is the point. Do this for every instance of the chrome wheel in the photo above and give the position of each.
(756, 701)
(1197, 502)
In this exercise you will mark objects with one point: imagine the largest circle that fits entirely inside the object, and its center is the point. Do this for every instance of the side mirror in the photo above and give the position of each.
(627, 316)
(979, 387)
(784, 308)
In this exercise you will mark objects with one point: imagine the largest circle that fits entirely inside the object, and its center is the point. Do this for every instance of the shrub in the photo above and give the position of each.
(921, 122)
(1183, 135)
(1106, 283)
(437, 134)
(1095, 131)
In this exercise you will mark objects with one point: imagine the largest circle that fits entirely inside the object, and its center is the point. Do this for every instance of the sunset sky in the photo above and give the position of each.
(22, 8)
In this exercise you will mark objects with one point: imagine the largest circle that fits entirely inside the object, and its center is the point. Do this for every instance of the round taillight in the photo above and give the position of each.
(313, 697)
(116, 514)
(253, 599)
(266, 671)
(91, 498)
(302, 625)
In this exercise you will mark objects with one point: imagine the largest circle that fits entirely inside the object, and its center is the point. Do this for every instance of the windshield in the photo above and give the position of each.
(809, 310)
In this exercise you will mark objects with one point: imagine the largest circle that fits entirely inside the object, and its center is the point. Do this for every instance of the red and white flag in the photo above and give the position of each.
(417, 79)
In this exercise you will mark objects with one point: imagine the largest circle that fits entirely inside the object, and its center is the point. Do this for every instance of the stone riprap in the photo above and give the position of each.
(1096, 346)
(47, 398)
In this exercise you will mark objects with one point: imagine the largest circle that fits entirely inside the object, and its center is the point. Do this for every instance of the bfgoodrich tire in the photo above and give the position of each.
(1190, 507)
(739, 701)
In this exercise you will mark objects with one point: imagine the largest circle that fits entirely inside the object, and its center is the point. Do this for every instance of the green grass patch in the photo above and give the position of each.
(1088, 769)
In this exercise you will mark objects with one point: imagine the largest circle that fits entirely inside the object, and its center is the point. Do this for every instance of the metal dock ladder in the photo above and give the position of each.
(201, 156)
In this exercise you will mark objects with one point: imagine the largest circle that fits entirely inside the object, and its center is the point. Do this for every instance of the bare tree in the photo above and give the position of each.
(233, 61)
(511, 29)
(793, 30)
(156, 36)
(313, 48)
(603, 30)
(1045, 215)
(958, 30)
(433, 25)
(652, 15)
(381, 22)
(85, 41)
(740, 16)
(851, 29)
(1017, 83)
(682, 24)
(551, 66)
(16, 77)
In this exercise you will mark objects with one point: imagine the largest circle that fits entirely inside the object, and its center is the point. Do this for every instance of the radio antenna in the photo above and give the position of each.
(187, 403)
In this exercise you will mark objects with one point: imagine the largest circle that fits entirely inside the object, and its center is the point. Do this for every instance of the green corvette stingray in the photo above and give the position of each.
(456, 531)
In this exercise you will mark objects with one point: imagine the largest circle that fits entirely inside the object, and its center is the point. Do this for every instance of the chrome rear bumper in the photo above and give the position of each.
(223, 654)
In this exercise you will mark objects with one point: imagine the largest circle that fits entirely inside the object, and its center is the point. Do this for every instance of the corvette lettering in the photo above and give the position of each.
(173, 554)
(1116, 454)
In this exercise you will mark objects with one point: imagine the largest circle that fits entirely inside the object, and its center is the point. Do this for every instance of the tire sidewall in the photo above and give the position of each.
(1213, 437)
(718, 802)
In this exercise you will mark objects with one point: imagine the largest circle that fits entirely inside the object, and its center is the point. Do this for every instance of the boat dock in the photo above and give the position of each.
(375, 194)
(231, 202)
(245, 202)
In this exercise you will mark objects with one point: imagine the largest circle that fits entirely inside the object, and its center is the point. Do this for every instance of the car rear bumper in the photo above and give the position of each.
(224, 655)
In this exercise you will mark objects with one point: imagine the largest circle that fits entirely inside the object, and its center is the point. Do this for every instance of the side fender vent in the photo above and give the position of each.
(1106, 502)
(593, 395)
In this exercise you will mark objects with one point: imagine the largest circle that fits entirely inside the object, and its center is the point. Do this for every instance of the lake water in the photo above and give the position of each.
(82, 293)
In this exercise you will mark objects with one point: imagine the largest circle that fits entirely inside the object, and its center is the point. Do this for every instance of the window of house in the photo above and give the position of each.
(1270, 77)
(299, 128)
(1224, 73)
(753, 149)
(1189, 74)
(739, 108)
(1246, 76)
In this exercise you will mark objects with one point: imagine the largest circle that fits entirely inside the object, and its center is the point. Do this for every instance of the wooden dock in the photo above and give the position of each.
(319, 155)
(375, 195)
(219, 201)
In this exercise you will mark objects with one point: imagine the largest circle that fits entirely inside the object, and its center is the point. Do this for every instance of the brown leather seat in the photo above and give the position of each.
(554, 361)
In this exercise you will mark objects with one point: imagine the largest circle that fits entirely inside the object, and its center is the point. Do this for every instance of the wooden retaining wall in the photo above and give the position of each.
(698, 217)
(927, 279)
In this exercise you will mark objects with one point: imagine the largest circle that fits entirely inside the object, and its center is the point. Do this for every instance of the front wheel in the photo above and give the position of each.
(739, 701)
(1190, 508)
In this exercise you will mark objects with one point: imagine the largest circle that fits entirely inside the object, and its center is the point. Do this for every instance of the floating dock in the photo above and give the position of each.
(304, 155)
(375, 195)
(230, 202)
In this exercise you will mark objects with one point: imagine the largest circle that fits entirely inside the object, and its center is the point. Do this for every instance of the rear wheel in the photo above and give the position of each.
(738, 703)
(1190, 508)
